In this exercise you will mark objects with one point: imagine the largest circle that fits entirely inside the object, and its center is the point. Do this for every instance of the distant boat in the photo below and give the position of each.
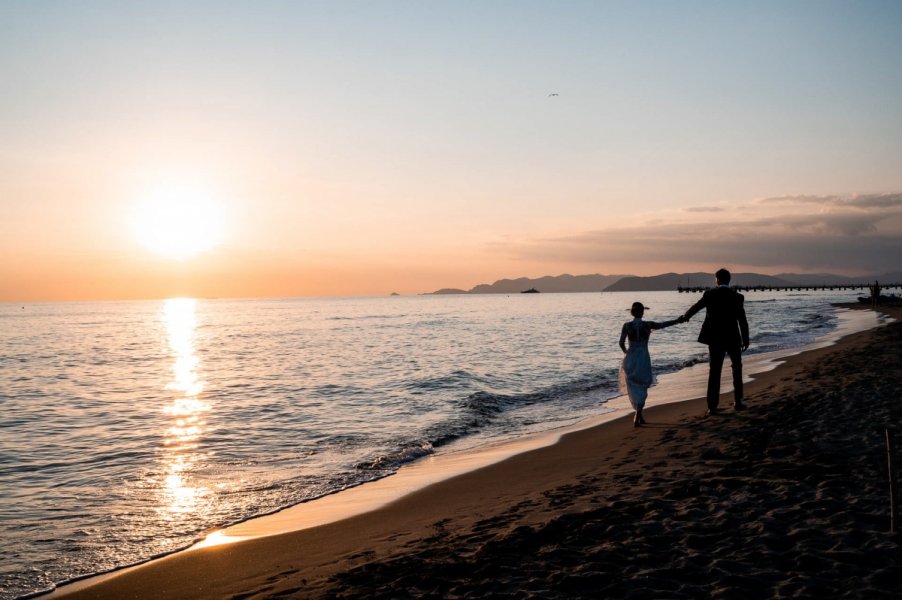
(530, 291)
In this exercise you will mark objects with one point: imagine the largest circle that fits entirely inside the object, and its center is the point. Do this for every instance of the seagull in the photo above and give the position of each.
(553, 94)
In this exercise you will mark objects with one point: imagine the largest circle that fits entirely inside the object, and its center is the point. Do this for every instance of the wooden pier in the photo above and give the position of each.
(864, 287)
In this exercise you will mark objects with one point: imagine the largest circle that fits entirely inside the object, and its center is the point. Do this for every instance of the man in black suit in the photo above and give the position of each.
(725, 331)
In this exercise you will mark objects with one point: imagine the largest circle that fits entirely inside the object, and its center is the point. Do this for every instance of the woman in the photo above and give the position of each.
(635, 371)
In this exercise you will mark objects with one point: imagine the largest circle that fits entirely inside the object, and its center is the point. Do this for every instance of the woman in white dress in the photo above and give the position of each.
(635, 370)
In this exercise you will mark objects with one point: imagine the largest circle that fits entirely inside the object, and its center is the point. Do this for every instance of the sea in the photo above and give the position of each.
(129, 430)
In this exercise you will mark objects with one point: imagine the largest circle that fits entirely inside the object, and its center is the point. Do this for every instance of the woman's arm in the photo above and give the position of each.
(663, 324)
(623, 337)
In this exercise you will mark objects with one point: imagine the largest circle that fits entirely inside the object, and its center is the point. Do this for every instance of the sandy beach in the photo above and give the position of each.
(788, 498)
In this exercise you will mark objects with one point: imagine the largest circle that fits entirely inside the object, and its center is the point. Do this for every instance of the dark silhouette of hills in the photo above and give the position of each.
(561, 283)
(547, 284)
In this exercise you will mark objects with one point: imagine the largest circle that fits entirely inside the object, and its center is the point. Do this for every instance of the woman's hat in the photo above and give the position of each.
(639, 305)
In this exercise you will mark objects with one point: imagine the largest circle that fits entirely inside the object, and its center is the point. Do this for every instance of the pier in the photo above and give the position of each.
(865, 287)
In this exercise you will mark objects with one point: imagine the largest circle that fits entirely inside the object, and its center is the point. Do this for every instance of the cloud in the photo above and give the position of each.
(875, 201)
(858, 233)
(799, 200)
(863, 201)
(704, 209)
(845, 216)
(819, 225)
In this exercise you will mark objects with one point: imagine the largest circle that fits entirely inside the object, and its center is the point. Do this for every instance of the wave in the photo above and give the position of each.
(680, 364)
(392, 461)
(379, 317)
(459, 379)
(333, 390)
(480, 410)
(486, 405)
(817, 320)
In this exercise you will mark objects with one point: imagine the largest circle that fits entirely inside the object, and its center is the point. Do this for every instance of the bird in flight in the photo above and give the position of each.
(553, 94)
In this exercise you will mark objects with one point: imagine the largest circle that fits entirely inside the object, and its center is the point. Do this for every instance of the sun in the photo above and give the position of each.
(178, 219)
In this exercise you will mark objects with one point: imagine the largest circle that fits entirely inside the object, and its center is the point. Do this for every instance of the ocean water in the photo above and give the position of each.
(130, 429)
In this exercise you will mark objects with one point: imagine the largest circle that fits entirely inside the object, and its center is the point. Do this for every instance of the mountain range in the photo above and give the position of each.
(663, 282)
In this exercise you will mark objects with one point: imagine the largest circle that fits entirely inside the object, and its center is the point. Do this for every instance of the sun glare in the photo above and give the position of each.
(178, 220)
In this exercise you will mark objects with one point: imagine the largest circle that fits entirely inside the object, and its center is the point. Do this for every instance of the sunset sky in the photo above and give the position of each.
(230, 149)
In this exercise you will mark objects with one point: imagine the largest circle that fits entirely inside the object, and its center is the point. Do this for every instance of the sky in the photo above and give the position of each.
(252, 149)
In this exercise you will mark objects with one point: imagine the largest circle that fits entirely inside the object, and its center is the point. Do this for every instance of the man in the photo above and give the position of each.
(725, 331)
(875, 294)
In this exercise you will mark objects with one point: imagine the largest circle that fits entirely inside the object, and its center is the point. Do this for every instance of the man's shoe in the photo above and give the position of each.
(711, 412)
(738, 406)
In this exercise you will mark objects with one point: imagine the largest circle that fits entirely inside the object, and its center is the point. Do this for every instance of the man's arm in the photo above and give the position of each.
(695, 308)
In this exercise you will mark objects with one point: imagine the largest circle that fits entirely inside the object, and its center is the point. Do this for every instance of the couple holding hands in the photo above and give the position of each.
(725, 331)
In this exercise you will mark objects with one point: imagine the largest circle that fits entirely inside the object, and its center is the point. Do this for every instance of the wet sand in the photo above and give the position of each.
(788, 498)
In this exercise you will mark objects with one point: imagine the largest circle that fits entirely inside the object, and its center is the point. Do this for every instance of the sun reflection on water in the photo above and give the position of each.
(187, 410)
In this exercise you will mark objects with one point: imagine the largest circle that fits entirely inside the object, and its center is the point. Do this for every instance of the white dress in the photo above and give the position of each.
(636, 375)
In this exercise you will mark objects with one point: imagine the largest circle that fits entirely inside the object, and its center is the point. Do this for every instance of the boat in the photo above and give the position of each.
(530, 291)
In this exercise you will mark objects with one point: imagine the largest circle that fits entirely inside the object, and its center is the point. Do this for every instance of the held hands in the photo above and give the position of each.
(682, 319)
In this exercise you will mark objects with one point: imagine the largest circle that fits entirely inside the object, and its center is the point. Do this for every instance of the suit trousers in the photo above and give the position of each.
(717, 354)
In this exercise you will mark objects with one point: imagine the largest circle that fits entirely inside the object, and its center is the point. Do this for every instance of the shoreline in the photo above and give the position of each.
(336, 546)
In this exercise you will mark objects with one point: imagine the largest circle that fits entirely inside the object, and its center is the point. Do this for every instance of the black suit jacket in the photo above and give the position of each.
(725, 323)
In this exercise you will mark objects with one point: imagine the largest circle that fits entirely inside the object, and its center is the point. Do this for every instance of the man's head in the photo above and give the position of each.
(723, 277)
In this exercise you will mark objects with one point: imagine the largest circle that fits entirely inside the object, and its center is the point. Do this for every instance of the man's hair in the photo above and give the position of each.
(723, 276)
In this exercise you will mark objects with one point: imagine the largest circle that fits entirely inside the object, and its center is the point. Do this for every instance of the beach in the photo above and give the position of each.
(788, 498)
